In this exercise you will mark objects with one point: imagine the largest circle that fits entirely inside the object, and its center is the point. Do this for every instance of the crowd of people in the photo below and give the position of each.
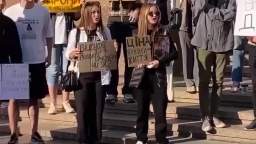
(48, 42)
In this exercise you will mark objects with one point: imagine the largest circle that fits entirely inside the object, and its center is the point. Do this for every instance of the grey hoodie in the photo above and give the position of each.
(213, 25)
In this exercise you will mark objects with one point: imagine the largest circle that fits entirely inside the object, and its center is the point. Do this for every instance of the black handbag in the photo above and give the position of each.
(175, 19)
(70, 81)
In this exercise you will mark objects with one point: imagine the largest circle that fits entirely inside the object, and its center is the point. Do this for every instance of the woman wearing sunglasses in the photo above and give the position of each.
(152, 87)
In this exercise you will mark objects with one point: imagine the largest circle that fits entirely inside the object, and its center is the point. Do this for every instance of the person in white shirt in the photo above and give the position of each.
(35, 28)
(62, 24)
(90, 98)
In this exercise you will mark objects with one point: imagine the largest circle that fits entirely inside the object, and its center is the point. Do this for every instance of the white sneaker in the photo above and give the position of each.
(140, 142)
(52, 109)
(191, 89)
(67, 107)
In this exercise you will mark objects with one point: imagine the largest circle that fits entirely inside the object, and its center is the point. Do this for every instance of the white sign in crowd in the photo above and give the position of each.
(245, 18)
(14, 81)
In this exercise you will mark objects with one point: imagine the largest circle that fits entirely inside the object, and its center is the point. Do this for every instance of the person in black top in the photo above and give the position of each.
(152, 87)
(119, 31)
(10, 52)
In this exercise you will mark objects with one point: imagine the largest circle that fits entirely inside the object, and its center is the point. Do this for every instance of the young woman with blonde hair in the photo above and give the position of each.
(90, 98)
(152, 87)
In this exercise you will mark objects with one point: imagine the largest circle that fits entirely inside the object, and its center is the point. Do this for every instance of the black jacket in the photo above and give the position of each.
(10, 48)
(163, 56)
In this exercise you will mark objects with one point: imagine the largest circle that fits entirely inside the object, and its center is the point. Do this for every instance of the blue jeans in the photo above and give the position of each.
(58, 65)
(238, 58)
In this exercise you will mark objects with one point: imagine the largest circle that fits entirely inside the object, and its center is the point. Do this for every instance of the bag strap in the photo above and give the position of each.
(77, 35)
(74, 63)
(78, 32)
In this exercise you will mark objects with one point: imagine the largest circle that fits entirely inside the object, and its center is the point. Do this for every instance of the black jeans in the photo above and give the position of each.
(89, 106)
(119, 32)
(151, 90)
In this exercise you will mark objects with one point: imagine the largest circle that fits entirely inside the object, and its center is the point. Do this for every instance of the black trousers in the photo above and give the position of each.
(151, 90)
(119, 32)
(89, 106)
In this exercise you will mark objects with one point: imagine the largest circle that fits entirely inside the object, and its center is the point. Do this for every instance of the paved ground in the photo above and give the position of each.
(25, 140)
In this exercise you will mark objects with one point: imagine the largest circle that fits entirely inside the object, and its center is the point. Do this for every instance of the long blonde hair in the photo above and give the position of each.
(86, 12)
(143, 20)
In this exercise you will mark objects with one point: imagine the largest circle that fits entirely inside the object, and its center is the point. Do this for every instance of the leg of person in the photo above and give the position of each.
(65, 95)
(91, 113)
(186, 49)
(159, 102)
(143, 102)
(126, 91)
(116, 33)
(82, 106)
(13, 121)
(237, 62)
(100, 101)
(205, 60)
(52, 73)
(38, 90)
(169, 75)
(196, 70)
(218, 76)
(252, 53)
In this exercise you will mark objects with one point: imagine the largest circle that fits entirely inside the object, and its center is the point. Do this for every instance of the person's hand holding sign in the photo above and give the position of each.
(75, 53)
(153, 64)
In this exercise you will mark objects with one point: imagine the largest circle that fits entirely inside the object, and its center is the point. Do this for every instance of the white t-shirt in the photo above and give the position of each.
(34, 26)
(60, 34)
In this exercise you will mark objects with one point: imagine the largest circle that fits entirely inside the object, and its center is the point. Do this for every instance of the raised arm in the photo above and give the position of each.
(223, 14)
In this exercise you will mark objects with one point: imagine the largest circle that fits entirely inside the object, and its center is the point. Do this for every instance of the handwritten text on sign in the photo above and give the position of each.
(14, 81)
(97, 56)
(138, 50)
(62, 5)
(245, 18)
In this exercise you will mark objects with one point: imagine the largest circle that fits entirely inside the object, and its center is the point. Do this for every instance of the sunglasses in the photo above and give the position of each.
(154, 13)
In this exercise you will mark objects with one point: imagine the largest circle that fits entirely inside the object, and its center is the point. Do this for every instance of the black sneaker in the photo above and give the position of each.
(13, 139)
(128, 98)
(206, 125)
(111, 99)
(36, 139)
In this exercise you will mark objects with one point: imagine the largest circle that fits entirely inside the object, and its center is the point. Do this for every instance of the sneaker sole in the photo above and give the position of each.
(220, 126)
(207, 129)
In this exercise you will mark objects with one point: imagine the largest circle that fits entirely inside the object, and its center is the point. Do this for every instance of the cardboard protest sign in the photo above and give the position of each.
(97, 56)
(138, 50)
(62, 5)
(245, 24)
(14, 81)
